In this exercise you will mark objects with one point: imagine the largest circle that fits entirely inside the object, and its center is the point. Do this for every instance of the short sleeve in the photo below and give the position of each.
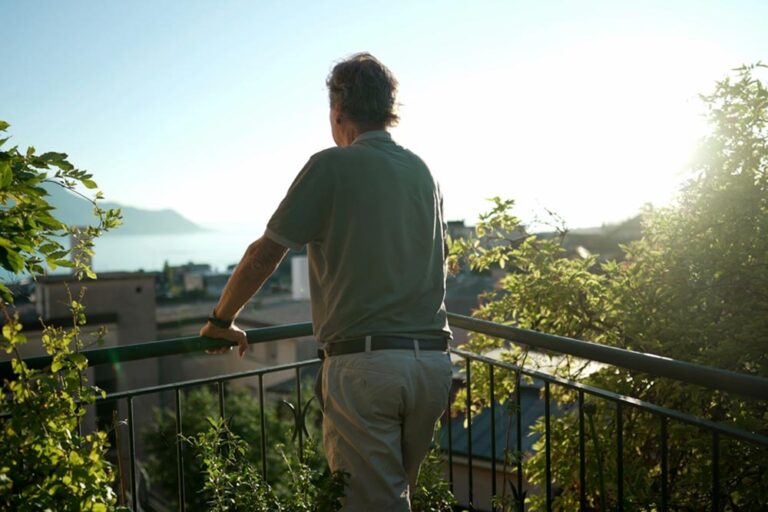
(302, 215)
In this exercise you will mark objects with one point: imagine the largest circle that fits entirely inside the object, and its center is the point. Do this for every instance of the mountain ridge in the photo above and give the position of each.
(75, 210)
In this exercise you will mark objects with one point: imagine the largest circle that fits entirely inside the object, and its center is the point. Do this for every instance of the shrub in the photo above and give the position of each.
(45, 462)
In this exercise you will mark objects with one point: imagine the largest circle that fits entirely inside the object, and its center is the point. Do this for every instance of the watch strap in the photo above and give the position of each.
(218, 322)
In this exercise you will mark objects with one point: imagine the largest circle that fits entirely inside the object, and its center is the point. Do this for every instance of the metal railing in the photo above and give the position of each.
(219, 381)
(748, 386)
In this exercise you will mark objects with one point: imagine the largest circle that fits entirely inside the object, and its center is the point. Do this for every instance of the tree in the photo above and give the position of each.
(694, 287)
(45, 462)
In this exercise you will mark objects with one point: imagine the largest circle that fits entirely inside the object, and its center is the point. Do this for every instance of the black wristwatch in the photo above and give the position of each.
(218, 322)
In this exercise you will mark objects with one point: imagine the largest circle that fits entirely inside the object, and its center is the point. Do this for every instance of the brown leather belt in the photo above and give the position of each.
(384, 343)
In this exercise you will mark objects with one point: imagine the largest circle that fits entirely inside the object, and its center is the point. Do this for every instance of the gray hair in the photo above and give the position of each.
(364, 90)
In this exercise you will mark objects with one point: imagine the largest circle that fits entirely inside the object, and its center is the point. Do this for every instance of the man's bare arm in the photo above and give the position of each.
(258, 263)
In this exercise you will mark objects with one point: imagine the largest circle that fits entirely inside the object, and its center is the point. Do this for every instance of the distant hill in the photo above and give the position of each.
(604, 240)
(72, 209)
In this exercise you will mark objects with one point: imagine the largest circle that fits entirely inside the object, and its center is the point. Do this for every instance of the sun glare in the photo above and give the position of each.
(628, 117)
(612, 122)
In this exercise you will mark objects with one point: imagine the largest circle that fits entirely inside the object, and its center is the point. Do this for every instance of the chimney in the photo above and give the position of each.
(299, 278)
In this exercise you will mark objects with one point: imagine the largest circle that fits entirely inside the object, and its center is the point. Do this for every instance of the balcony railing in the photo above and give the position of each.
(748, 386)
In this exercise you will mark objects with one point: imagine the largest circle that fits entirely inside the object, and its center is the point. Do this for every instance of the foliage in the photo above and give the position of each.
(45, 463)
(30, 234)
(232, 480)
(313, 491)
(309, 482)
(243, 416)
(433, 491)
(228, 484)
(692, 288)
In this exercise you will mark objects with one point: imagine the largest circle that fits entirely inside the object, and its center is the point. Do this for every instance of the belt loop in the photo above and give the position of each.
(416, 347)
(367, 343)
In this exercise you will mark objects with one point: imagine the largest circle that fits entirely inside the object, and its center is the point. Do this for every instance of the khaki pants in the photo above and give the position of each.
(380, 410)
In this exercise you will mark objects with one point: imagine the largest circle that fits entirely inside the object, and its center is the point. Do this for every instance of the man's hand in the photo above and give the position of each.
(259, 261)
(233, 334)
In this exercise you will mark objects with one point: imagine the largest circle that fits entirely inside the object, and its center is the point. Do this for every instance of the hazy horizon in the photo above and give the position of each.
(589, 109)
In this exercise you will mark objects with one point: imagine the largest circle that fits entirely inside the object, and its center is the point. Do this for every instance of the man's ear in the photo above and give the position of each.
(337, 117)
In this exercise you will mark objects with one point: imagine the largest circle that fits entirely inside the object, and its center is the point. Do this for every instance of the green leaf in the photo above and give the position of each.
(4, 126)
(53, 157)
(6, 174)
(58, 254)
(80, 361)
(49, 248)
(5, 293)
(89, 183)
(19, 366)
(57, 365)
(61, 263)
(14, 259)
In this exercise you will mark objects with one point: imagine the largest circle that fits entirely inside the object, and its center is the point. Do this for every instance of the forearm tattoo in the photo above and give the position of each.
(264, 255)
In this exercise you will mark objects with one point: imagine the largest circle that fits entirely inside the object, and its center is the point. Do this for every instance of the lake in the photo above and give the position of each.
(149, 252)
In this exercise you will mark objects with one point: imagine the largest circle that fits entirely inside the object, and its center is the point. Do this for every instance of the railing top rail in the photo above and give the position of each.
(169, 347)
(691, 373)
(715, 378)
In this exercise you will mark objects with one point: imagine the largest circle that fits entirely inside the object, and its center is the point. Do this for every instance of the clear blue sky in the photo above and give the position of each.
(588, 108)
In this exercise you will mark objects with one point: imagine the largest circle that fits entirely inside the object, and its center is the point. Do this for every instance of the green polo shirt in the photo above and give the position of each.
(371, 216)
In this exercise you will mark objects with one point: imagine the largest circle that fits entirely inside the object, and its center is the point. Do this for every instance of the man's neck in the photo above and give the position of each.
(353, 131)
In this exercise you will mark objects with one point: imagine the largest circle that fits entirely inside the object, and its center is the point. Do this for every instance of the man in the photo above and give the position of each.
(371, 215)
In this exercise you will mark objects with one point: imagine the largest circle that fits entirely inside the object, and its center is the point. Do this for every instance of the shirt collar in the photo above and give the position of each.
(373, 134)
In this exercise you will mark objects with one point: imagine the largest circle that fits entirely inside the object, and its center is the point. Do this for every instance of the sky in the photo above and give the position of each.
(586, 108)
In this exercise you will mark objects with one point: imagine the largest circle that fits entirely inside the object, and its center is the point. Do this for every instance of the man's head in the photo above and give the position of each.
(363, 95)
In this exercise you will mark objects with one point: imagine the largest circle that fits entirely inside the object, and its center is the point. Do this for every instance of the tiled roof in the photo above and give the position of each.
(506, 427)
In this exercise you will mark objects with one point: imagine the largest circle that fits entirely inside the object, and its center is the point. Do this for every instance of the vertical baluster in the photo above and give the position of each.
(450, 448)
(519, 444)
(263, 429)
(582, 456)
(598, 455)
(469, 430)
(300, 415)
(664, 466)
(220, 386)
(548, 445)
(715, 471)
(619, 456)
(120, 461)
(180, 452)
(492, 398)
(132, 454)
